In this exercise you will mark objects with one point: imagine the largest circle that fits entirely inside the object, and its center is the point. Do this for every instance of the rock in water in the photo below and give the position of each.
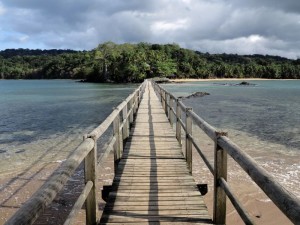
(244, 83)
(197, 94)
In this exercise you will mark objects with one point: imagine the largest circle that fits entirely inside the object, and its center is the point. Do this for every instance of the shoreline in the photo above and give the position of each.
(222, 79)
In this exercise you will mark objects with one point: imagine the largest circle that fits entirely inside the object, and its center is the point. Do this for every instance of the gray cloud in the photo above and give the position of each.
(292, 6)
(232, 26)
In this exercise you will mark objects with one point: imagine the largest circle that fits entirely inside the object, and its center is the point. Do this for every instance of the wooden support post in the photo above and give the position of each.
(120, 153)
(178, 125)
(136, 105)
(166, 104)
(139, 96)
(131, 113)
(164, 100)
(188, 142)
(126, 123)
(220, 170)
(171, 112)
(90, 172)
(117, 149)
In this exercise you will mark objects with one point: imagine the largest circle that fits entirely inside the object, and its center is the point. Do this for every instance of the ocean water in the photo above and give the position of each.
(269, 110)
(263, 119)
(44, 120)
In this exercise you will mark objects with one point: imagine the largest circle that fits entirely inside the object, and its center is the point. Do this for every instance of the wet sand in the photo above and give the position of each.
(218, 79)
(17, 188)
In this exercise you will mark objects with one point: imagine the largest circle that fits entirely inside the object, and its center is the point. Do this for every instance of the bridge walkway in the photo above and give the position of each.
(153, 184)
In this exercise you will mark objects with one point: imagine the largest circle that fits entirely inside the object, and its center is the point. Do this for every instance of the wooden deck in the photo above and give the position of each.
(153, 184)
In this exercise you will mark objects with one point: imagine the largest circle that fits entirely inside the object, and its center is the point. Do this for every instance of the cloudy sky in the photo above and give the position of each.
(215, 26)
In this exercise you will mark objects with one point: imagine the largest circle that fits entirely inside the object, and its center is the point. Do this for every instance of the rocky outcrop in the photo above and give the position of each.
(196, 94)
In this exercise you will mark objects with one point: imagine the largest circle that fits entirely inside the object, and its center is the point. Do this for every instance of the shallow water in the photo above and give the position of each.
(270, 110)
(43, 120)
(263, 119)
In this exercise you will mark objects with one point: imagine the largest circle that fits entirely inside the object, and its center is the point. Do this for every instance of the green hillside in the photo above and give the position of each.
(111, 62)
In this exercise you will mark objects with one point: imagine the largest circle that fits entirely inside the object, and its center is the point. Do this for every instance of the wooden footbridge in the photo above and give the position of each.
(153, 181)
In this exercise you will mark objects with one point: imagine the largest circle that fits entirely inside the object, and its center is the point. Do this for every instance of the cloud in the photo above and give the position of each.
(164, 26)
(292, 6)
(2, 9)
(265, 27)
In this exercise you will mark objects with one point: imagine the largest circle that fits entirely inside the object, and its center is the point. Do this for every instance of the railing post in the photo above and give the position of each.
(220, 165)
(126, 123)
(117, 147)
(139, 96)
(178, 125)
(136, 105)
(131, 113)
(164, 100)
(90, 164)
(166, 104)
(171, 114)
(188, 142)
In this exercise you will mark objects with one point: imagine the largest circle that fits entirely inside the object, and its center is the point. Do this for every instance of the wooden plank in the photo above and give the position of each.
(108, 218)
(155, 198)
(153, 183)
(156, 203)
(152, 195)
(145, 189)
(156, 212)
(156, 207)
(156, 223)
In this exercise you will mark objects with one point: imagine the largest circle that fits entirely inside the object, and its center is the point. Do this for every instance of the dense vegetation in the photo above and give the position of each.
(110, 62)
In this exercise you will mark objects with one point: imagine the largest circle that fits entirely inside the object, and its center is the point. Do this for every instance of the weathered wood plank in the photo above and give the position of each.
(155, 207)
(169, 184)
(156, 223)
(150, 218)
(157, 203)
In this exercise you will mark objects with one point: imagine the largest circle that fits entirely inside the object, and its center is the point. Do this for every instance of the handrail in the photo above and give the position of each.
(286, 201)
(86, 151)
(79, 203)
(29, 212)
(209, 166)
(235, 202)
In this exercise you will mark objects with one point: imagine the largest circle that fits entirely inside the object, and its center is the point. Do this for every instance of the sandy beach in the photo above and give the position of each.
(217, 79)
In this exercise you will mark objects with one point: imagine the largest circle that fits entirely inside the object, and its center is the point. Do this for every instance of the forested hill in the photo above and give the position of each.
(111, 62)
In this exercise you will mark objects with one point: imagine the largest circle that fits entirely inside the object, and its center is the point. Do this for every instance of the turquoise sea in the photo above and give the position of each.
(269, 110)
(45, 119)
(262, 118)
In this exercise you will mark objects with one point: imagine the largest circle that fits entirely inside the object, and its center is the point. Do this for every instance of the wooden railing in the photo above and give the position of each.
(120, 119)
(286, 201)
